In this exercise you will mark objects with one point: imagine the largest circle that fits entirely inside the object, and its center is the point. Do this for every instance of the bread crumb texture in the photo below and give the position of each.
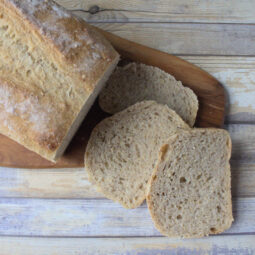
(137, 82)
(189, 192)
(123, 149)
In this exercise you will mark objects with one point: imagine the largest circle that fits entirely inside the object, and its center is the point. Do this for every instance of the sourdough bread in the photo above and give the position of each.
(52, 67)
(122, 150)
(189, 192)
(137, 82)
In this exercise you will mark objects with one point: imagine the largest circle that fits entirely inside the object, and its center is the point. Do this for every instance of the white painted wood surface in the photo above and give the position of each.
(207, 11)
(90, 217)
(61, 213)
(188, 38)
(214, 245)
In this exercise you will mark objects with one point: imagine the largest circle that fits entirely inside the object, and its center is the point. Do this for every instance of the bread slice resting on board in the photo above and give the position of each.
(189, 192)
(122, 150)
(137, 82)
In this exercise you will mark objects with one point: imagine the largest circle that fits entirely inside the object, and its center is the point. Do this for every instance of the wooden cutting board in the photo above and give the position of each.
(210, 93)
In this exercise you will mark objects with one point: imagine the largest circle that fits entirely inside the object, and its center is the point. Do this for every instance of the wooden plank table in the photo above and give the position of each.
(57, 211)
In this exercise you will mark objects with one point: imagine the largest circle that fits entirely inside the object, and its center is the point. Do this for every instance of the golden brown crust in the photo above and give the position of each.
(82, 47)
(54, 66)
(35, 122)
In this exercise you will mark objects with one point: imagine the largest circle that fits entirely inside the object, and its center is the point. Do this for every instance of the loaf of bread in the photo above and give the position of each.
(52, 67)
(189, 192)
(123, 149)
(137, 82)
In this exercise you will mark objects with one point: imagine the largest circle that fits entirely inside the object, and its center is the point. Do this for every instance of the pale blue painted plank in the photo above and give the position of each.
(215, 245)
(65, 217)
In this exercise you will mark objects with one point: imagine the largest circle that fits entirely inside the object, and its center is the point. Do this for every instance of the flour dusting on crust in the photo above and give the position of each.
(27, 107)
(51, 19)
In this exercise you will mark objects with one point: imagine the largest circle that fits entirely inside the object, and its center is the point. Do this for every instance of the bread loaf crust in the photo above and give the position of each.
(19, 109)
(38, 111)
(67, 38)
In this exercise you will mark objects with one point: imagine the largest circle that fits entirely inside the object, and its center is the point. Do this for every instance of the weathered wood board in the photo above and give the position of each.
(215, 245)
(206, 11)
(95, 217)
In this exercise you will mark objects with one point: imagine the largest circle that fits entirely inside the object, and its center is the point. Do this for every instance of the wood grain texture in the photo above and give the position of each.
(215, 245)
(47, 183)
(243, 146)
(242, 179)
(189, 39)
(210, 92)
(207, 11)
(73, 182)
(238, 77)
(84, 218)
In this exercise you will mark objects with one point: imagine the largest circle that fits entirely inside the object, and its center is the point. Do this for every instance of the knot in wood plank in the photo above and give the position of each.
(94, 9)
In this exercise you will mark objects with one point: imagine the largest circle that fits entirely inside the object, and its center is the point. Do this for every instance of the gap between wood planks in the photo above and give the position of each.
(238, 235)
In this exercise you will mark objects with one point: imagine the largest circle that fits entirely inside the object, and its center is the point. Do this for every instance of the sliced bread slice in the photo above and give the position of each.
(123, 149)
(137, 82)
(189, 192)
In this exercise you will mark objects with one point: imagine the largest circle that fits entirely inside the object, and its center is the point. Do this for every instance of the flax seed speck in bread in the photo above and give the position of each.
(189, 192)
(52, 67)
(137, 82)
(123, 149)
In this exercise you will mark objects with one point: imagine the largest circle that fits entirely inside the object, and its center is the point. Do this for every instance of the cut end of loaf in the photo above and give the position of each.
(85, 109)
(189, 192)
